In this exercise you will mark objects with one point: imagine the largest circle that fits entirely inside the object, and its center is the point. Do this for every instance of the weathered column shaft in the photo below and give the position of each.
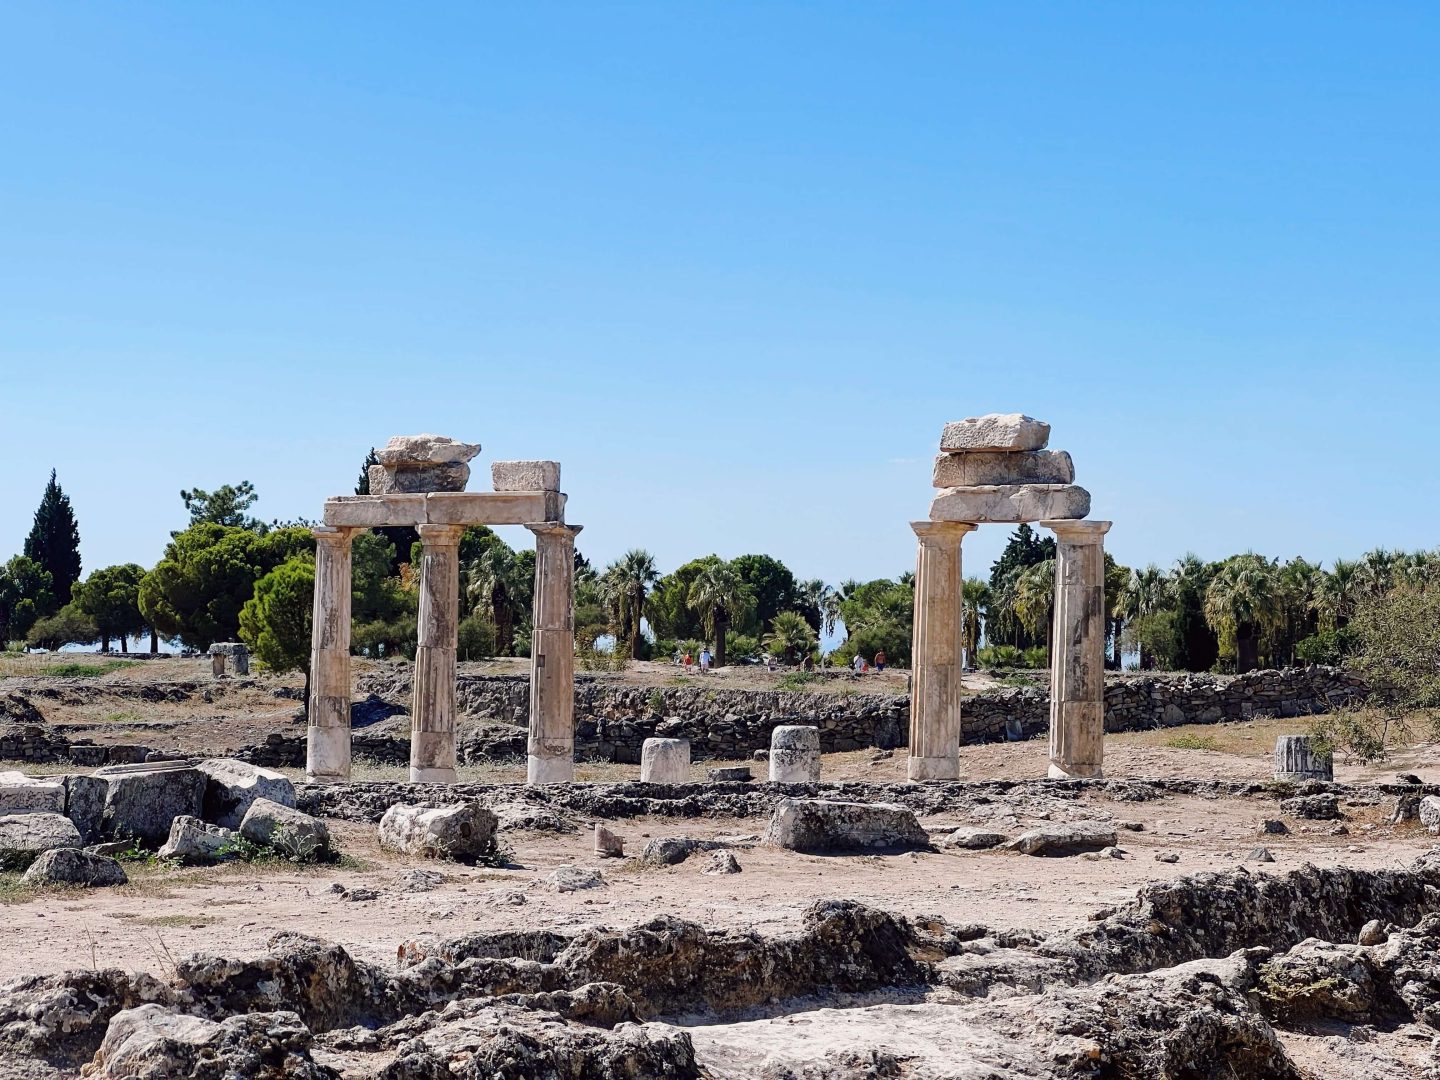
(327, 746)
(1077, 650)
(551, 745)
(936, 651)
(432, 717)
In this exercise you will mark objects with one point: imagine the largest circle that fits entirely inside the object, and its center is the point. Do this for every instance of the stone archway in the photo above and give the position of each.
(995, 469)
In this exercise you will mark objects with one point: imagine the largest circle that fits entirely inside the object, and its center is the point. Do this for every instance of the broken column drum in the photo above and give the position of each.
(420, 483)
(996, 468)
(665, 761)
(1297, 759)
(795, 754)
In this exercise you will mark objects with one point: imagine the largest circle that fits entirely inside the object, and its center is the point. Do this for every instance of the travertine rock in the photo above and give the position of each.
(1429, 813)
(427, 449)
(142, 800)
(975, 839)
(61, 1019)
(231, 786)
(608, 845)
(295, 834)
(193, 841)
(21, 794)
(153, 1041)
(989, 468)
(1069, 838)
(721, 862)
(460, 832)
(995, 431)
(525, 475)
(731, 774)
(1324, 807)
(819, 825)
(23, 837)
(71, 866)
(1010, 504)
(665, 761)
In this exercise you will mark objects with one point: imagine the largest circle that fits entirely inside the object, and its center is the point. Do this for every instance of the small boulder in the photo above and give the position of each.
(672, 850)
(608, 845)
(721, 862)
(1069, 838)
(231, 786)
(974, 838)
(1407, 778)
(573, 879)
(1273, 827)
(1429, 813)
(1312, 807)
(24, 837)
(822, 825)
(728, 774)
(291, 832)
(71, 866)
(460, 832)
(1167, 857)
(1260, 854)
(194, 841)
(1374, 932)
(153, 1041)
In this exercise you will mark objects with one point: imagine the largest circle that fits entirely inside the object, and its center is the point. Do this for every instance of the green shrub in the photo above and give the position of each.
(1326, 647)
(475, 637)
(1037, 656)
(998, 656)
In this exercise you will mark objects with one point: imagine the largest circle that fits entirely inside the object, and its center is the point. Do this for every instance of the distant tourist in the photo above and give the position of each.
(689, 661)
(704, 660)
(880, 660)
(859, 664)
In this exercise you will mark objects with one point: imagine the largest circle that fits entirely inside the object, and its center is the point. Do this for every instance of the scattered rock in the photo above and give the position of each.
(523, 815)
(1313, 807)
(418, 880)
(731, 774)
(1104, 853)
(608, 845)
(71, 866)
(1131, 826)
(1374, 932)
(574, 878)
(231, 786)
(1273, 827)
(1069, 838)
(672, 850)
(294, 834)
(721, 862)
(194, 841)
(1340, 830)
(359, 894)
(1167, 857)
(152, 1041)
(1260, 854)
(974, 838)
(1429, 812)
(23, 837)
(460, 832)
(819, 825)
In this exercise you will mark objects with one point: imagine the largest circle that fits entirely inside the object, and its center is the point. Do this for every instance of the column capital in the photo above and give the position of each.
(1078, 530)
(326, 534)
(554, 528)
(943, 530)
(440, 535)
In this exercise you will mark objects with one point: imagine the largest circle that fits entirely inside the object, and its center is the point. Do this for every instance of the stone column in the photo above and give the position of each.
(327, 744)
(1077, 650)
(551, 756)
(432, 717)
(935, 651)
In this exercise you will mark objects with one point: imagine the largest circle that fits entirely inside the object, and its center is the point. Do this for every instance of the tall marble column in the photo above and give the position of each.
(1077, 650)
(327, 736)
(432, 717)
(936, 651)
(551, 746)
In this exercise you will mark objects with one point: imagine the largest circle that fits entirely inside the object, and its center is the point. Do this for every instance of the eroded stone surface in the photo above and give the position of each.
(293, 833)
(71, 866)
(460, 832)
(426, 449)
(194, 841)
(984, 469)
(819, 825)
(142, 800)
(20, 794)
(995, 432)
(152, 1041)
(231, 786)
(23, 837)
(1010, 504)
(525, 475)
(1065, 839)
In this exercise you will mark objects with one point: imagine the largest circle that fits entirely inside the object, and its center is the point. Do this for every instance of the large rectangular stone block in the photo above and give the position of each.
(491, 507)
(21, 794)
(372, 511)
(525, 475)
(987, 467)
(1007, 504)
(995, 431)
(448, 476)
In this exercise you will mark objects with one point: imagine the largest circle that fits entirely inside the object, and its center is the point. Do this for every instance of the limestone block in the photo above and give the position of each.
(373, 511)
(23, 837)
(493, 507)
(1010, 504)
(1295, 760)
(85, 804)
(236, 652)
(20, 794)
(795, 754)
(731, 774)
(425, 450)
(665, 761)
(819, 825)
(460, 832)
(608, 845)
(71, 866)
(974, 838)
(1069, 838)
(142, 800)
(995, 431)
(231, 786)
(1429, 813)
(194, 841)
(287, 830)
(987, 468)
(388, 480)
(152, 1040)
(525, 475)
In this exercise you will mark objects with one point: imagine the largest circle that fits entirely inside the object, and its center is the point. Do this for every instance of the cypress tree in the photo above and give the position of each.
(54, 540)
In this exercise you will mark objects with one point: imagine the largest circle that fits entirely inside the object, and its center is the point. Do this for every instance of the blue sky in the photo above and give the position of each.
(732, 264)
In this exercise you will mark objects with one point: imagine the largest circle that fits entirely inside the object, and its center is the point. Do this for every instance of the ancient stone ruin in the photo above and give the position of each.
(996, 468)
(420, 482)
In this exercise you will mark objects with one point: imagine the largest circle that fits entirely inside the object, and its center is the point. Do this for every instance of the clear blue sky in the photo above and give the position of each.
(732, 264)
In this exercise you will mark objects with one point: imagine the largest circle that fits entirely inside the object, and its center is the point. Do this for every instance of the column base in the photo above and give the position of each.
(327, 754)
(326, 778)
(431, 776)
(549, 770)
(1080, 772)
(933, 768)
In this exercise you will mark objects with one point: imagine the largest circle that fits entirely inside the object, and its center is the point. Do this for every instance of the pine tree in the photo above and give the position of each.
(362, 486)
(54, 540)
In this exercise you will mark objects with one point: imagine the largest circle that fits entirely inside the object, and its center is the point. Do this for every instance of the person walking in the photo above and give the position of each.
(880, 660)
(704, 659)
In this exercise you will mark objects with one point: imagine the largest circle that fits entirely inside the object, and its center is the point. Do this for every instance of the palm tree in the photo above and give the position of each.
(719, 596)
(790, 636)
(495, 578)
(834, 605)
(1244, 601)
(1035, 599)
(975, 595)
(626, 584)
(1377, 571)
(811, 596)
(1147, 592)
(1336, 594)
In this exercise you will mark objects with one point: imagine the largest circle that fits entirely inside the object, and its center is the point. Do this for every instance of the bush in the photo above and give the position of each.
(741, 647)
(390, 638)
(1326, 647)
(1036, 657)
(998, 656)
(475, 637)
(68, 626)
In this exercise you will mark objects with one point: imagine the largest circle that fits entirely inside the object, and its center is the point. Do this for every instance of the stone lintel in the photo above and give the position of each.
(1082, 531)
(1010, 504)
(444, 508)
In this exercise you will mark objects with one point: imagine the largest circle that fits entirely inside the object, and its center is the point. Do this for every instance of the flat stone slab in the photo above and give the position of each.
(1069, 838)
(425, 450)
(822, 825)
(525, 475)
(21, 794)
(987, 468)
(995, 431)
(23, 837)
(974, 838)
(444, 508)
(1011, 504)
